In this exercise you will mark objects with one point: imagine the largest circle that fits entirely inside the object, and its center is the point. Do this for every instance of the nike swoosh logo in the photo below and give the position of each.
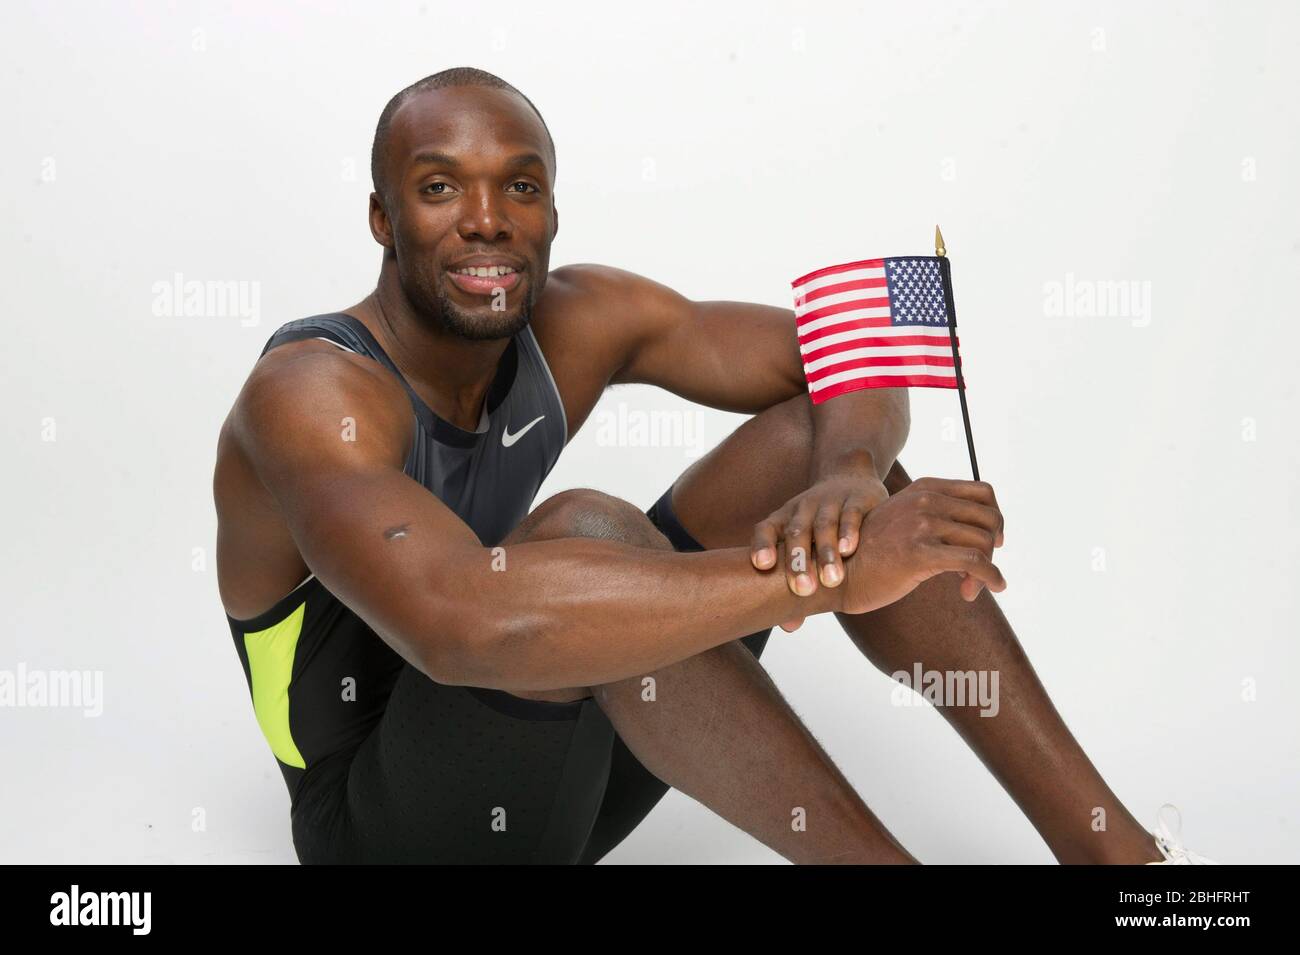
(508, 439)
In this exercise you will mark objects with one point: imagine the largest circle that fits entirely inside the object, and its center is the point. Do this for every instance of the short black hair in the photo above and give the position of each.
(456, 76)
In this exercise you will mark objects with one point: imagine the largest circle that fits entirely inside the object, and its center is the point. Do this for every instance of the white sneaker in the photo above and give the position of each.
(1171, 847)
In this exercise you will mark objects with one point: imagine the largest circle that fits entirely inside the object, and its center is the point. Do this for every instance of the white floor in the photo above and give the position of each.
(178, 773)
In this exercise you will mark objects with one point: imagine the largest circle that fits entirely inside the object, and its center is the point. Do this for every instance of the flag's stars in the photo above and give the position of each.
(915, 291)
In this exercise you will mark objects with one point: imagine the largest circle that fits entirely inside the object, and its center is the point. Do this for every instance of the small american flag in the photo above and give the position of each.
(878, 323)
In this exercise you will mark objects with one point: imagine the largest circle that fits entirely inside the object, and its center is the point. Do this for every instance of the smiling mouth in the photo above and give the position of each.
(485, 280)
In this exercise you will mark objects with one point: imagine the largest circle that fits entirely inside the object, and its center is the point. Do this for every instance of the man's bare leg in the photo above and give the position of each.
(1027, 746)
(715, 726)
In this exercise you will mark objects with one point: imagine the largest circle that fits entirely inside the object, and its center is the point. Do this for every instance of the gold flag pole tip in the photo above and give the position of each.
(939, 248)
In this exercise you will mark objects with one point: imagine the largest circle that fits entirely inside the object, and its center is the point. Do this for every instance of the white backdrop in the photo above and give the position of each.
(1143, 451)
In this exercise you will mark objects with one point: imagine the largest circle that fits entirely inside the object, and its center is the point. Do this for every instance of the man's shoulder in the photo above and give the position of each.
(296, 383)
(592, 302)
(593, 278)
(585, 289)
(313, 369)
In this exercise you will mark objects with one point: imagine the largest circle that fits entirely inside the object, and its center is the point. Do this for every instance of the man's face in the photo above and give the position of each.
(469, 187)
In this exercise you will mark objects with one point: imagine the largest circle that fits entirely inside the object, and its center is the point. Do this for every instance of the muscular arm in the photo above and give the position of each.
(744, 357)
(562, 613)
(734, 356)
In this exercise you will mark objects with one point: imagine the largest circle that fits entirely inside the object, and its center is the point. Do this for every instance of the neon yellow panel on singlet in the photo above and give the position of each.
(270, 661)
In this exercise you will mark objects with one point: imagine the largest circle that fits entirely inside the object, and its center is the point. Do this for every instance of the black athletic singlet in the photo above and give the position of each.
(385, 765)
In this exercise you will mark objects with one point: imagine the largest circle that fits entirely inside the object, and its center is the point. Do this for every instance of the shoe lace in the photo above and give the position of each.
(1169, 842)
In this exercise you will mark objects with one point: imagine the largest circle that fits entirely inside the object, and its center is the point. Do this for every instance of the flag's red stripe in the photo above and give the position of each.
(900, 341)
(882, 361)
(858, 384)
(835, 269)
(847, 325)
(855, 304)
(841, 287)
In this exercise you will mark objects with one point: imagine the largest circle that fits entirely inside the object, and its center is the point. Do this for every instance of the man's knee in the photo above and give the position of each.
(758, 468)
(788, 436)
(788, 429)
(585, 512)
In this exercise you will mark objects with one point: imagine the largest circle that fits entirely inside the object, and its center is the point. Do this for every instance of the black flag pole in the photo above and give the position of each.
(946, 268)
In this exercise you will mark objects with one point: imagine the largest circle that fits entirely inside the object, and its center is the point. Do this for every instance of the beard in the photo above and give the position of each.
(424, 290)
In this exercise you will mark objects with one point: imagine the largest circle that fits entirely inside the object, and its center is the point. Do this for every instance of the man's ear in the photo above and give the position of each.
(380, 226)
(555, 214)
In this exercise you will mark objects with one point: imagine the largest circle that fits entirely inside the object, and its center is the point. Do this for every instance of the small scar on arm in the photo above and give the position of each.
(397, 533)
